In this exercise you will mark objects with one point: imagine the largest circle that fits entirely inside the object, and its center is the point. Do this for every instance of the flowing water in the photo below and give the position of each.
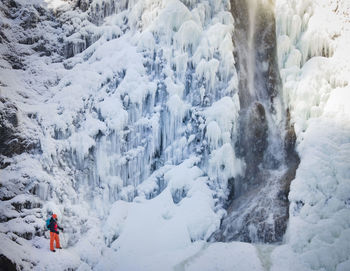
(257, 208)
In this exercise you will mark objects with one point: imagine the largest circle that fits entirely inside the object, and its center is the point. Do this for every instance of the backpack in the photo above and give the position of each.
(48, 223)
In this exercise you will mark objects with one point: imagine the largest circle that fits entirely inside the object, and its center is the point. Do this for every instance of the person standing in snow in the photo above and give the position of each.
(54, 233)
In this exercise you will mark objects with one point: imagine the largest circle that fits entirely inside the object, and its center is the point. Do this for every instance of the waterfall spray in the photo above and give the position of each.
(258, 204)
(252, 9)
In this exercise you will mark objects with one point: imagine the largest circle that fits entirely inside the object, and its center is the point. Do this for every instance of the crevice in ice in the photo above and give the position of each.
(179, 194)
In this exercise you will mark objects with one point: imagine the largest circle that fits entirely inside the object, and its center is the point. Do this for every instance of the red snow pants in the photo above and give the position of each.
(54, 237)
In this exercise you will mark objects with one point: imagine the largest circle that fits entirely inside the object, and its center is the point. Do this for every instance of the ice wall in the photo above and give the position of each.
(134, 90)
(171, 102)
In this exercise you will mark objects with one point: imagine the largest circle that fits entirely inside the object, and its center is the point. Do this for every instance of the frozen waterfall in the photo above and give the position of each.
(161, 130)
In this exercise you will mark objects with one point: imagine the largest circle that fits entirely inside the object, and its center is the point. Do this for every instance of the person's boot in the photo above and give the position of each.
(53, 250)
(58, 247)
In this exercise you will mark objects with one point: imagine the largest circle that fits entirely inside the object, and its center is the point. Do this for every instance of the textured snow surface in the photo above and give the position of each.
(226, 256)
(313, 40)
(134, 115)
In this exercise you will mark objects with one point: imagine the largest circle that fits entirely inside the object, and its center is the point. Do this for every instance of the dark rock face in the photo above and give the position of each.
(6, 264)
(11, 142)
(8, 124)
(292, 160)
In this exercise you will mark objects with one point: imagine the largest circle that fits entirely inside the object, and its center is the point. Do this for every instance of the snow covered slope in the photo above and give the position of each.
(314, 40)
(122, 118)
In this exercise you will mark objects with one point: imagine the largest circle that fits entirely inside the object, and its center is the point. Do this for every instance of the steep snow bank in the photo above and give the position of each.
(313, 56)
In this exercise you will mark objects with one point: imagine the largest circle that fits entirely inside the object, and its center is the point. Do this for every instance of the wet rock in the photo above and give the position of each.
(252, 142)
(256, 133)
(292, 159)
(289, 146)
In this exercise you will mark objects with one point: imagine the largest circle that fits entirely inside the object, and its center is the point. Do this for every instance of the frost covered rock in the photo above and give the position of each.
(11, 141)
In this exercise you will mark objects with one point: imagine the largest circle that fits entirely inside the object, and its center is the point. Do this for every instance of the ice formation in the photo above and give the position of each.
(131, 120)
(315, 73)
